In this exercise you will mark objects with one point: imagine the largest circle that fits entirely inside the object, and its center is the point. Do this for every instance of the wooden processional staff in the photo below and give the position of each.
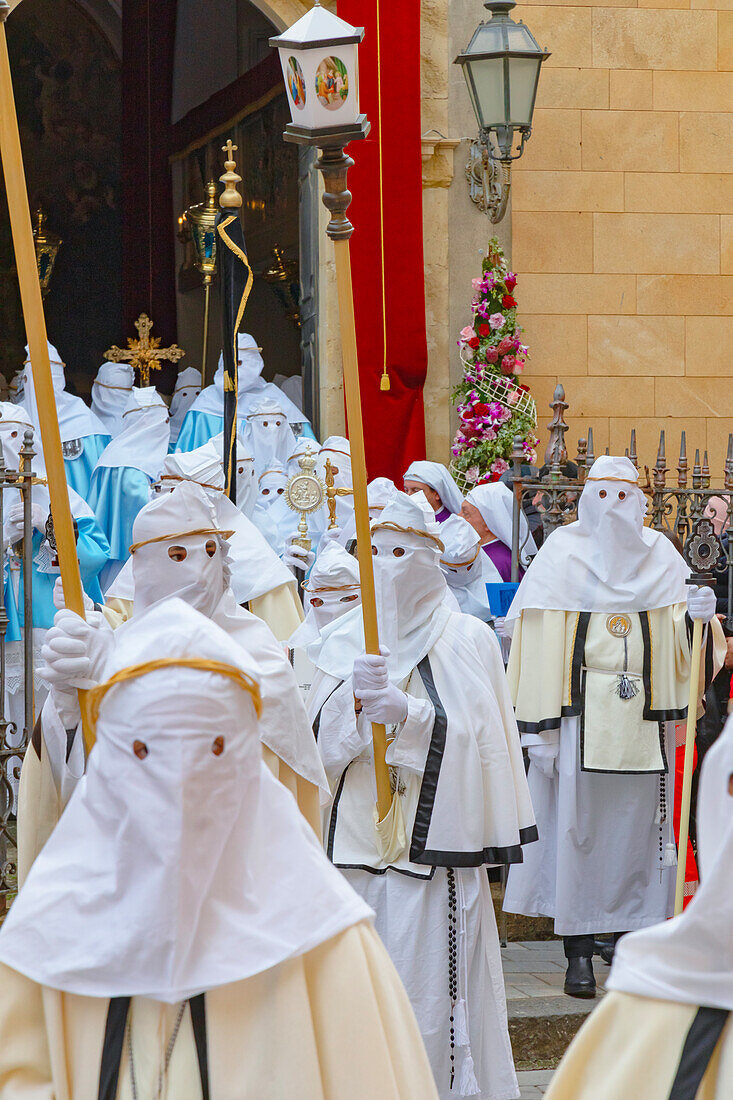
(35, 324)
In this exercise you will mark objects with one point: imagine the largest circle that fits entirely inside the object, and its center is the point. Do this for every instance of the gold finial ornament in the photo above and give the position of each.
(304, 493)
(47, 246)
(145, 353)
(331, 493)
(230, 199)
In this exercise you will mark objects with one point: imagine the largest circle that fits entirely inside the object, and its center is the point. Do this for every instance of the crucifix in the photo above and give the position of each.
(145, 353)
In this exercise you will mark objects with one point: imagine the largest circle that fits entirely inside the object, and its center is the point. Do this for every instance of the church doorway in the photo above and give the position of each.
(227, 84)
(67, 78)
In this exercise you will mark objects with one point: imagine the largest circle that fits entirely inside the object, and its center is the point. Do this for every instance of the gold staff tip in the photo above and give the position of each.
(230, 199)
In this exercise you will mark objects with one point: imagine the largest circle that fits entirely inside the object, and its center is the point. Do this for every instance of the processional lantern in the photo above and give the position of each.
(47, 247)
(501, 65)
(201, 218)
(320, 64)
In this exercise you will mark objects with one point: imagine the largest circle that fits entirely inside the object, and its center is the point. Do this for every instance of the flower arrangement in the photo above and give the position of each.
(493, 405)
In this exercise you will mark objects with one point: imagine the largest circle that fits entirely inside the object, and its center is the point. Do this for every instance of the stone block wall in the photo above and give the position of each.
(622, 220)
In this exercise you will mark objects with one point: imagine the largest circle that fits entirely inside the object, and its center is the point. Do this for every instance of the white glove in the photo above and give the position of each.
(700, 603)
(59, 600)
(75, 651)
(295, 557)
(387, 706)
(66, 702)
(14, 520)
(381, 701)
(370, 672)
(544, 756)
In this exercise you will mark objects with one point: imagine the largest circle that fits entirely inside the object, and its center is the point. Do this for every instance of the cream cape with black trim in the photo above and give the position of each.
(457, 755)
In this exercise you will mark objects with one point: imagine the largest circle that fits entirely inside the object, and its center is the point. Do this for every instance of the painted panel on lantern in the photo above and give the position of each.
(332, 83)
(296, 83)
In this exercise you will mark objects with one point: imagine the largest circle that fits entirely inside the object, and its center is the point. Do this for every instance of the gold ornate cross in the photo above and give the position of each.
(145, 353)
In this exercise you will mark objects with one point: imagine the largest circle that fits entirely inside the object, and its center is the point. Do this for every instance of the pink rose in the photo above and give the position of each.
(477, 284)
(467, 333)
(513, 397)
(496, 320)
(518, 367)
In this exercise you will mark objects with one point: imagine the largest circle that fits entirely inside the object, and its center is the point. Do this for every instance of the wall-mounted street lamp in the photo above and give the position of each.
(501, 65)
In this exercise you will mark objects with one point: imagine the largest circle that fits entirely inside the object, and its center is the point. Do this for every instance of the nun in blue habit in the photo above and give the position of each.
(128, 467)
(205, 418)
(83, 435)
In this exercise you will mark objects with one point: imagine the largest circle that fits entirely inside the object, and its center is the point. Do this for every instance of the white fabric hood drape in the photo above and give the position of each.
(188, 869)
(76, 420)
(143, 442)
(14, 422)
(439, 478)
(495, 502)
(111, 391)
(334, 581)
(251, 385)
(607, 560)
(467, 571)
(269, 435)
(187, 389)
(410, 589)
(690, 959)
(255, 567)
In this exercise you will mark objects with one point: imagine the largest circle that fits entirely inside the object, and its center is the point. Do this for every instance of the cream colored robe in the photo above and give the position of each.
(598, 866)
(333, 1024)
(630, 1048)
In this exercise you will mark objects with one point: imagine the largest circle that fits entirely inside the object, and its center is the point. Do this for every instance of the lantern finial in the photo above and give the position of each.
(230, 199)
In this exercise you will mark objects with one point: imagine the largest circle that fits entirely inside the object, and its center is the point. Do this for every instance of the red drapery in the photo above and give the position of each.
(394, 427)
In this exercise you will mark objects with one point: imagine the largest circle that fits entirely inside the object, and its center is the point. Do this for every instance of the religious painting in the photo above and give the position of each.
(296, 83)
(67, 82)
(332, 83)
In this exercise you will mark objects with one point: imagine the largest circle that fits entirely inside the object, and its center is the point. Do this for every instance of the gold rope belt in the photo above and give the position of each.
(388, 526)
(96, 695)
(203, 484)
(182, 535)
(106, 386)
(331, 588)
(460, 564)
(625, 480)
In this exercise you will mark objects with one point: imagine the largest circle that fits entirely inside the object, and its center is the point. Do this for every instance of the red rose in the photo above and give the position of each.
(525, 388)
(508, 302)
(511, 281)
(473, 342)
(483, 330)
(481, 409)
(495, 477)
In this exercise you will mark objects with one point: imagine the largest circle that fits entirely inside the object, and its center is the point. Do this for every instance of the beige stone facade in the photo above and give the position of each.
(622, 220)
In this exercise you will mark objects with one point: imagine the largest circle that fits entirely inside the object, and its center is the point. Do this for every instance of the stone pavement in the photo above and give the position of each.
(542, 1020)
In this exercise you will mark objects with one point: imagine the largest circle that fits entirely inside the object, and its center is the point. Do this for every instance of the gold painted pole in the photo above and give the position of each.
(687, 774)
(361, 506)
(35, 324)
(204, 353)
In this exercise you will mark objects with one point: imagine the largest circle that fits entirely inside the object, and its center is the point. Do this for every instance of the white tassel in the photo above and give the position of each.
(670, 856)
(467, 1083)
(460, 1024)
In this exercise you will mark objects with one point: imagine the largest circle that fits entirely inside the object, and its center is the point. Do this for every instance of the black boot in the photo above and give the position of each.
(579, 978)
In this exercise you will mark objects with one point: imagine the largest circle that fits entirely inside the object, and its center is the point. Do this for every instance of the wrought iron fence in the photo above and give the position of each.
(16, 713)
(550, 501)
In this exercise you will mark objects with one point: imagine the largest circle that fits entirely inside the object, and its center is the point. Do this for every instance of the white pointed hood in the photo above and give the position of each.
(180, 863)
(607, 560)
(76, 420)
(143, 442)
(111, 391)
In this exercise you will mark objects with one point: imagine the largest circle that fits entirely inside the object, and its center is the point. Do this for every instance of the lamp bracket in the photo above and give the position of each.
(489, 181)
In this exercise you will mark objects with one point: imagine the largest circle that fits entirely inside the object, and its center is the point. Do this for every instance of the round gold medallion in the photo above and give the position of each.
(618, 625)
